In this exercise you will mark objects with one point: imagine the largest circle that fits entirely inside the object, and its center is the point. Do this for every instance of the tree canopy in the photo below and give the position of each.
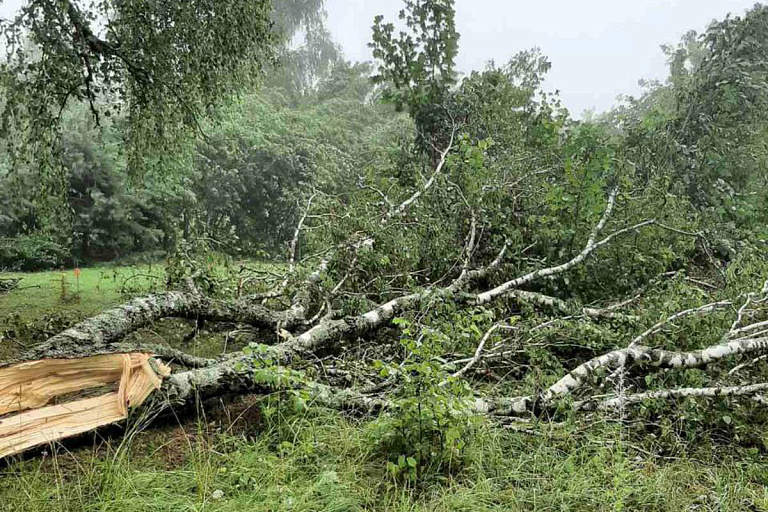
(159, 64)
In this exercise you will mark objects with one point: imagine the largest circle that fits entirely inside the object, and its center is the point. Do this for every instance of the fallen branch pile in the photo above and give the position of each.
(95, 353)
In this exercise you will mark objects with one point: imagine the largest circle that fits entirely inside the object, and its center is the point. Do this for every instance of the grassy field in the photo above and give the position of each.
(93, 289)
(234, 457)
(47, 302)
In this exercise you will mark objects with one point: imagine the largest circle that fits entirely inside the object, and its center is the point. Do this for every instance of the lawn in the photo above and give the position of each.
(95, 288)
(319, 461)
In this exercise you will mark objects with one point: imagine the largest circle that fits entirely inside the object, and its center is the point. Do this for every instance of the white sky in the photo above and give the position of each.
(8, 8)
(598, 48)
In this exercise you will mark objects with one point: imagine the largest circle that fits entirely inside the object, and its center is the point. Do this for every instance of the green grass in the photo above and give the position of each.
(46, 303)
(321, 462)
(43, 293)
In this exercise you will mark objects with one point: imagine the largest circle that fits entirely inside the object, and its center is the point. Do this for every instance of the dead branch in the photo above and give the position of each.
(402, 207)
(695, 311)
(559, 304)
(589, 248)
(478, 352)
(654, 357)
(104, 333)
(293, 246)
(8, 284)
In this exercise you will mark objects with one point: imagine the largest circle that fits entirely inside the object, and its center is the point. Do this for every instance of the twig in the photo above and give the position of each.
(478, 352)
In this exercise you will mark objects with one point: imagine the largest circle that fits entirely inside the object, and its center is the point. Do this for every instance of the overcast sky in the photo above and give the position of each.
(598, 48)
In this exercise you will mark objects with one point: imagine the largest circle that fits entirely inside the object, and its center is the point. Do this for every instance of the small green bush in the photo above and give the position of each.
(430, 420)
(30, 253)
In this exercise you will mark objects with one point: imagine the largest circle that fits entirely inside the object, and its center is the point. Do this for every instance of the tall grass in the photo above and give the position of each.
(319, 461)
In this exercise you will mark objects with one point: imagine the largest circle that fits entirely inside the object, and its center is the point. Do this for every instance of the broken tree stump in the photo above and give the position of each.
(28, 388)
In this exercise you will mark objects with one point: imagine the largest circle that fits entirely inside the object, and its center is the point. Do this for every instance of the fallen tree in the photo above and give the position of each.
(98, 352)
(443, 265)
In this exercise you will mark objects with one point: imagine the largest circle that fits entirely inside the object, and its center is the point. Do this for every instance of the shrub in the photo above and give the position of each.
(430, 420)
(34, 252)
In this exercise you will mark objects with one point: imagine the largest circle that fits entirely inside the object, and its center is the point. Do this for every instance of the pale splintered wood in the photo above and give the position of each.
(40, 426)
(136, 376)
(141, 383)
(34, 384)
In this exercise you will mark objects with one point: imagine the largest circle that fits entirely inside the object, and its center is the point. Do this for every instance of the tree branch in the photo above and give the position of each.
(712, 392)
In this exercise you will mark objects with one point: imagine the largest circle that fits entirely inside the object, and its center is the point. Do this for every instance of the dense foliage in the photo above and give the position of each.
(159, 64)
(239, 183)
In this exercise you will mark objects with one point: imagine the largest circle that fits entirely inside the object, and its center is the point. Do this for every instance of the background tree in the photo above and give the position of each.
(706, 123)
(159, 63)
(308, 52)
(417, 66)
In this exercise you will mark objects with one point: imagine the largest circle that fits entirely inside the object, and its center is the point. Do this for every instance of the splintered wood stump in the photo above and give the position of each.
(28, 388)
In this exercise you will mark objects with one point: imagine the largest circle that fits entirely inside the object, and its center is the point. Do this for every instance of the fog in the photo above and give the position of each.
(599, 48)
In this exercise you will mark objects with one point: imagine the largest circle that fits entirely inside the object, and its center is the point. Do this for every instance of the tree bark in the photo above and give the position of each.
(105, 333)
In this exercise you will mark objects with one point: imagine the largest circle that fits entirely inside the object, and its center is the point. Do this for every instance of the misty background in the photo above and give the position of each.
(599, 49)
